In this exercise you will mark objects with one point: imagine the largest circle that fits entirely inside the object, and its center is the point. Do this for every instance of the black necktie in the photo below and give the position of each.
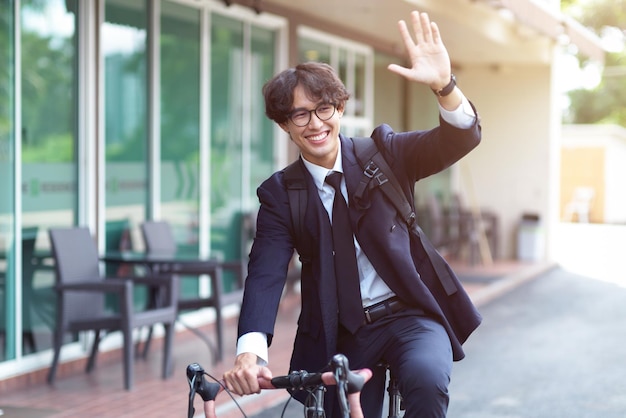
(351, 314)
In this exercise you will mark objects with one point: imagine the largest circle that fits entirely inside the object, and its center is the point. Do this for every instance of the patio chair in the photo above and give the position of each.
(30, 296)
(477, 231)
(118, 238)
(238, 265)
(159, 238)
(81, 294)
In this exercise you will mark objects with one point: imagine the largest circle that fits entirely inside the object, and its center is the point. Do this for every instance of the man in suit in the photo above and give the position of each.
(411, 313)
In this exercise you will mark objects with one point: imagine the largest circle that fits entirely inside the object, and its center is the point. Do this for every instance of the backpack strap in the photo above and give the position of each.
(376, 168)
(295, 182)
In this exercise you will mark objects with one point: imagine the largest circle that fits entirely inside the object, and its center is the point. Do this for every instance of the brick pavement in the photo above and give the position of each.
(101, 394)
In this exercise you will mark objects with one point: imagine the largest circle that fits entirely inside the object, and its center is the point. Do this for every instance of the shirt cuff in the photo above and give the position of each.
(462, 117)
(255, 343)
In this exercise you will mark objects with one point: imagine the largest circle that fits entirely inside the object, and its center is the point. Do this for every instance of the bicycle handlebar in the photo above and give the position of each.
(340, 375)
(348, 382)
(198, 383)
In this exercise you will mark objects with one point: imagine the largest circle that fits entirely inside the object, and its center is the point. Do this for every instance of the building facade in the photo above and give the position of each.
(113, 112)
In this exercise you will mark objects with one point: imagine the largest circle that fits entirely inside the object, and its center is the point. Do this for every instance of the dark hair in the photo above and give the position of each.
(319, 80)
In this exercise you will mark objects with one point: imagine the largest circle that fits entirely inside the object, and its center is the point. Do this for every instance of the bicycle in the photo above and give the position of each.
(348, 383)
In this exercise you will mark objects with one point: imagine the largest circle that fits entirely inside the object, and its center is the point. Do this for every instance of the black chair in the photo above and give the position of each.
(32, 299)
(239, 264)
(159, 238)
(477, 231)
(81, 294)
(118, 238)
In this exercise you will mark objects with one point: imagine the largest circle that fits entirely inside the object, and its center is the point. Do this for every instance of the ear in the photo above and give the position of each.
(284, 127)
(340, 110)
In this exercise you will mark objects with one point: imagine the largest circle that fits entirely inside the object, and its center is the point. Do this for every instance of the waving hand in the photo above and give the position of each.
(430, 63)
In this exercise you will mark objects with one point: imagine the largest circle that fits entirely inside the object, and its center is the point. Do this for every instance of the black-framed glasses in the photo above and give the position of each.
(302, 117)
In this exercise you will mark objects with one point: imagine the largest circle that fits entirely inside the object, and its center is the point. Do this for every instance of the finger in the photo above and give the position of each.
(398, 69)
(406, 36)
(252, 385)
(265, 373)
(233, 388)
(424, 25)
(237, 384)
(436, 34)
(265, 383)
(417, 27)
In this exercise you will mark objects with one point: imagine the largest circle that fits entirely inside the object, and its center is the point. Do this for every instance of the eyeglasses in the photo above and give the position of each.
(302, 117)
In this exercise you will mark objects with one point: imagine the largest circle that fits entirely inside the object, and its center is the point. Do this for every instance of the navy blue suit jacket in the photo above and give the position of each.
(383, 236)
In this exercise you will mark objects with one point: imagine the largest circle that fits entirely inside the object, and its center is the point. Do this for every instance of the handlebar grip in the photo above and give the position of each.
(207, 390)
(341, 366)
(355, 382)
(200, 385)
(297, 380)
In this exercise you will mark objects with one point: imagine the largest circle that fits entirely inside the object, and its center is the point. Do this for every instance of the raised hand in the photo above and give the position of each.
(430, 63)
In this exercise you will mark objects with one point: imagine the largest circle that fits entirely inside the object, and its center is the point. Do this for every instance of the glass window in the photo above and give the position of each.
(226, 133)
(180, 120)
(124, 37)
(354, 65)
(242, 60)
(49, 162)
(180, 126)
(262, 137)
(313, 50)
(7, 180)
(360, 80)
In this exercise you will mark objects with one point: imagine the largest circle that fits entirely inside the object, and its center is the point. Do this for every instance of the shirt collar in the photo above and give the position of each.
(319, 173)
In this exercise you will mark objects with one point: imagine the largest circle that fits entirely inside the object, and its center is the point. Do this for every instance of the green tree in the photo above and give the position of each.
(606, 103)
(47, 90)
(6, 77)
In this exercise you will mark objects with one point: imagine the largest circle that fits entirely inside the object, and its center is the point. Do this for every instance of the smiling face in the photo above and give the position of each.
(318, 141)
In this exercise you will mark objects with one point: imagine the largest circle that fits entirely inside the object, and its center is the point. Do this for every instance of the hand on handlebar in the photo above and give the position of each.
(248, 377)
(245, 377)
(328, 378)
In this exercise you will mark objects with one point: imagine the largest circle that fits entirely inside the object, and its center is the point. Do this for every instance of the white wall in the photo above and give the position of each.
(509, 172)
(615, 173)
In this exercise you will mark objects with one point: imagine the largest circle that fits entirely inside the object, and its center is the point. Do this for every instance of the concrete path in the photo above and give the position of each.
(551, 348)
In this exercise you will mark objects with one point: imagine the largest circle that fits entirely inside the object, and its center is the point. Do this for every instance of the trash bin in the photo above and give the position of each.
(530, 238)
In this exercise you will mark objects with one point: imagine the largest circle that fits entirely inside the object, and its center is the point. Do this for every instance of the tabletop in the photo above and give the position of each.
(170, 261)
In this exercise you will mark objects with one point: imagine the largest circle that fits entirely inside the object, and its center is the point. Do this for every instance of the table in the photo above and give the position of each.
(181, 263)
(173, 263)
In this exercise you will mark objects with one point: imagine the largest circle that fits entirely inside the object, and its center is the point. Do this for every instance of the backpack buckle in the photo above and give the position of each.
(373, 172)
(411, 219)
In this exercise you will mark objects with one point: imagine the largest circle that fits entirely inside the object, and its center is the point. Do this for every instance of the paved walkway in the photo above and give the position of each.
(553, 348)
(101, 393)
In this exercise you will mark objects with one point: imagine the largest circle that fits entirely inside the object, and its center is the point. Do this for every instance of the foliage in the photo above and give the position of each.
(6, 75)
(48, 73)
(55, 149)
(597, 14)
(607, 102)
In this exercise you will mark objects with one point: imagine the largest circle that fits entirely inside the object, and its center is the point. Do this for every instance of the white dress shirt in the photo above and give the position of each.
(373, 288)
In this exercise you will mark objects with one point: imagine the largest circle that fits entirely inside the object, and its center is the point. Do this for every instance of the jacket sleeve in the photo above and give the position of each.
(271, 252)
(419, 154)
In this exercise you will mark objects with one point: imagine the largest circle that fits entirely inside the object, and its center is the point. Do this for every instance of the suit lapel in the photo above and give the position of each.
(353, 173)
